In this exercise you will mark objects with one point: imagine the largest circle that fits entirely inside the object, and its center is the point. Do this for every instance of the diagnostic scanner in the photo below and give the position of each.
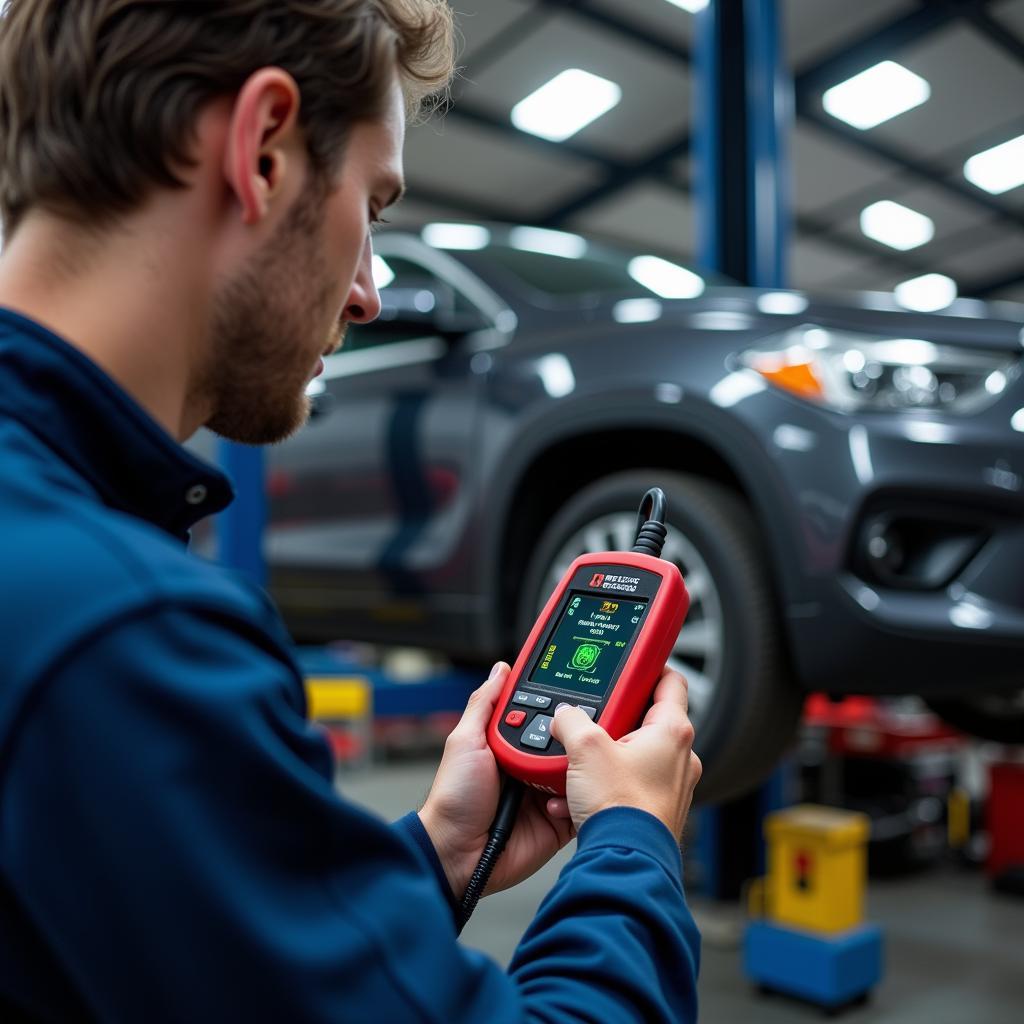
(600, 644)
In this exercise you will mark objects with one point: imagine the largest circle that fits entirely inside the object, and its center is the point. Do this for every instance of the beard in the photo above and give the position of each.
(266, 332)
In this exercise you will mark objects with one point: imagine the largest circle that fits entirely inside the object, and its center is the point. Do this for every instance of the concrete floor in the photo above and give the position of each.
(954, 951)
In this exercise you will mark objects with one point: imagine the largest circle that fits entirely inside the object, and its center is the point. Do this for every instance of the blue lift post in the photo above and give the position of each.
(743, 116)
(240, 527)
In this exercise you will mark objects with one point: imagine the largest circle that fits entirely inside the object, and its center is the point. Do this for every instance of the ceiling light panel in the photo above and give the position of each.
(656, 102)
(998, 169)
(878, 94)
(693, 6)
(896, 225)
(565, 105)
(926, 293)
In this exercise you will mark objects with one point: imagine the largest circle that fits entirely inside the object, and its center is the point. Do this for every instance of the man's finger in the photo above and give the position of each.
(571, 727)
(672, 689)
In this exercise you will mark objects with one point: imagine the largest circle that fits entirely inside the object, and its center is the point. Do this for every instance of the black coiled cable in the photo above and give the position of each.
(501, 829)
(650, 524)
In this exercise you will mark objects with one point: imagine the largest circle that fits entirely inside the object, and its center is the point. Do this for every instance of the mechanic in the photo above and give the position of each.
(187, 192)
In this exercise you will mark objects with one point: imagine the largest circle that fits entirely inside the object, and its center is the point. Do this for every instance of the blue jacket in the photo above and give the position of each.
(171, 846)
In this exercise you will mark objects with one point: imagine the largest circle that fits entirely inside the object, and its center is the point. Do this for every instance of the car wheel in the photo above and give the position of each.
(744, 702)
(991, 716)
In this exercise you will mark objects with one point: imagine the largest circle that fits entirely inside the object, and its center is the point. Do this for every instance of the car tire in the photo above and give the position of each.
(992, 716)
(747, 706)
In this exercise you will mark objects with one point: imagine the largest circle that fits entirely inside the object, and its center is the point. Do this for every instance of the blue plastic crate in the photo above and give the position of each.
(829, 970)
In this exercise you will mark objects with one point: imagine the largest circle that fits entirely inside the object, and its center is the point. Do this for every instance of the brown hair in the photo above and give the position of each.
(99, 98)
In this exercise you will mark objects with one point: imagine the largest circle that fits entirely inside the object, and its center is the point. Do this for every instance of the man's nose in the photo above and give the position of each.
(363, 303)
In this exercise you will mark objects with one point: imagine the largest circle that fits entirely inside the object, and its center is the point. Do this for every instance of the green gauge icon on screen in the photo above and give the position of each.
(585, 657)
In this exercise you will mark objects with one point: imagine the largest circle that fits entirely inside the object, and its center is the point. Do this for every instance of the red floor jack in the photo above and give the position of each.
(1005, 865)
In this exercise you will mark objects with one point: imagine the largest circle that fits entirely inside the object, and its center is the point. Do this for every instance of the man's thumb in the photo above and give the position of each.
(571, 727)
(481, 702)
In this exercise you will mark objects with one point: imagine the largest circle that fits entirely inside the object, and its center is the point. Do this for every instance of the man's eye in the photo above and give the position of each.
(376, 223)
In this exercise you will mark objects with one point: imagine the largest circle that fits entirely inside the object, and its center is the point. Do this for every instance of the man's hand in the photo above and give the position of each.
(653, 768)
(463, 800)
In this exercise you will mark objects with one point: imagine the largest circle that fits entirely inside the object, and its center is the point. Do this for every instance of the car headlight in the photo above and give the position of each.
(851, 372)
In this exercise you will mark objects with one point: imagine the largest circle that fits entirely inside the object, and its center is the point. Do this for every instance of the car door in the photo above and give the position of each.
(369, 501)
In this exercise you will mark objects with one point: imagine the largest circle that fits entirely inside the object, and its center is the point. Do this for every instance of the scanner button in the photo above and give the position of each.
(538, 735)
(515, 718)
(521, 697)
(539, 701)
(590, 712)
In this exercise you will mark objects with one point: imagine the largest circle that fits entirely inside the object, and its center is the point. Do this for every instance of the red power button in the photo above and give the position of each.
(515, 718)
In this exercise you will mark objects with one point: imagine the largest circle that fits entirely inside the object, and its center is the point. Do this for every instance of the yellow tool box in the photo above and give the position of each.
(817, 867)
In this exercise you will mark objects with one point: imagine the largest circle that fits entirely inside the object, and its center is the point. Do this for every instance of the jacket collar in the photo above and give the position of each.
(101, 432)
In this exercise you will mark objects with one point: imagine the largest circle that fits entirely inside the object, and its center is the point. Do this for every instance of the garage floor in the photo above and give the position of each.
(955, 952)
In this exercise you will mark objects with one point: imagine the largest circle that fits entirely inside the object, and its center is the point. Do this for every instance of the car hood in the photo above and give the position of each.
(969, 322)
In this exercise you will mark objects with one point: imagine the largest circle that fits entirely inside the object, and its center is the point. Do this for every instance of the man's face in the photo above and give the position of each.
(290, 304)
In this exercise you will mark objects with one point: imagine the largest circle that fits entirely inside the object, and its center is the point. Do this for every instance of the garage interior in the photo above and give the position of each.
(904, 209)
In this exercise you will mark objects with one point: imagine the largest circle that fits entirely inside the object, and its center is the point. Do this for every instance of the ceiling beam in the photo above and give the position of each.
(925, 169)
(875, 45)
(618, 179)
(460, 203)
(997, 32)
(809, 84)
(621, 27)
(985, 289)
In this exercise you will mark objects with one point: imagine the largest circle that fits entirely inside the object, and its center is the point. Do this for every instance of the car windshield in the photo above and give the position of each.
(560, 277)
(568, 271)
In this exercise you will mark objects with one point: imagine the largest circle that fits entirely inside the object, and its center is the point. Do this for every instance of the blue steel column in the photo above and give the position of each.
(742, 120)
(240, 526)
(769, 125)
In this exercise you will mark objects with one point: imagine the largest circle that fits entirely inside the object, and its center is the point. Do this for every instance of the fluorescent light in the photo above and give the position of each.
(569, 102)
(456, 236)
(998, 169)
(383, 275)
(876, 95)
(550, 243)
(926, 293)
(669, 280)
(782, 303)
(896, 225)
(693, 6)
(636, 311)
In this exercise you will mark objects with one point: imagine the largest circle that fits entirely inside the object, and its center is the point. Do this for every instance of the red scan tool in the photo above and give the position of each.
(600, 644)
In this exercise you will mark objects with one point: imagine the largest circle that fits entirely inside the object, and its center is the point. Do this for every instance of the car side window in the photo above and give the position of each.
(413, 298)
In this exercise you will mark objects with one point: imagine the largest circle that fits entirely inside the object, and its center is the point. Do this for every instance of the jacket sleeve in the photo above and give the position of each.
(170, 827)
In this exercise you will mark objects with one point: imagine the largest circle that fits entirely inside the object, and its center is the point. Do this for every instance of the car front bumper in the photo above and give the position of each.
(852, 629)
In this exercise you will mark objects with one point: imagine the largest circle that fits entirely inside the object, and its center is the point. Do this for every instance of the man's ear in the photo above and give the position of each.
(263, 122)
